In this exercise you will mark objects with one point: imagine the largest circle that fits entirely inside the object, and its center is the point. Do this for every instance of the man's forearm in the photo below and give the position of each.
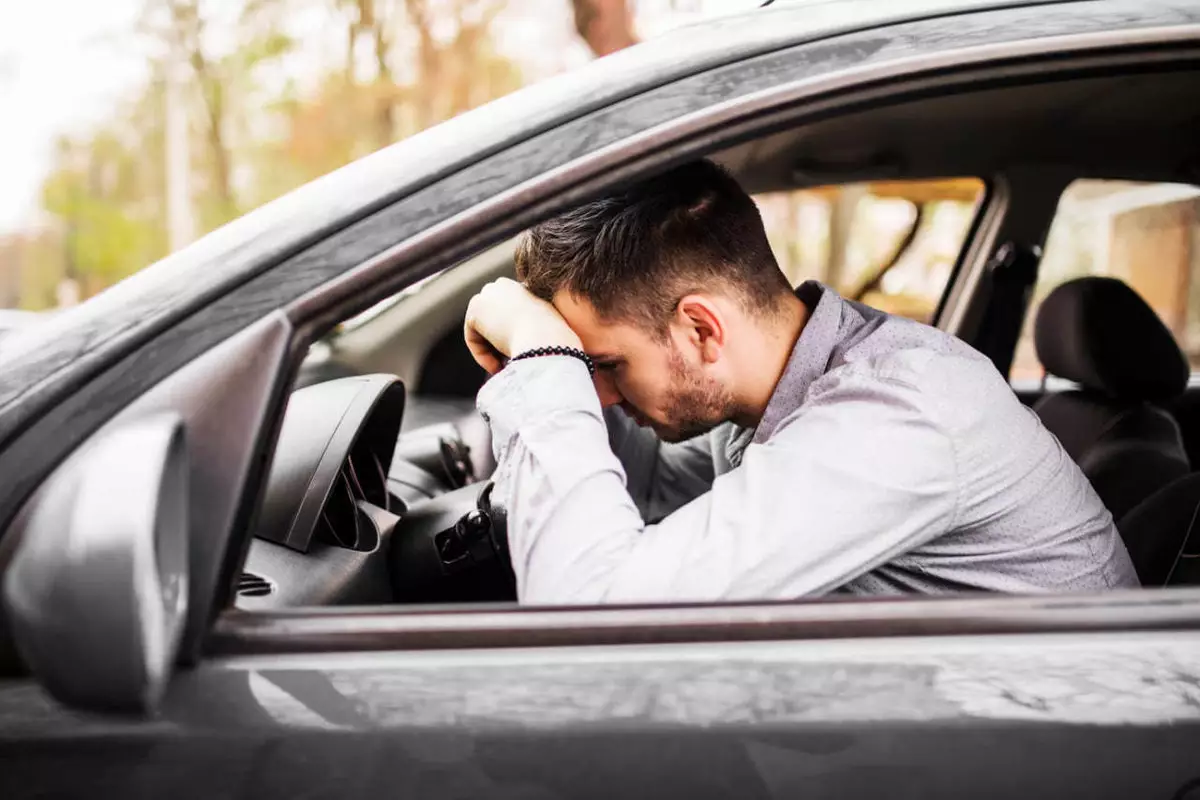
(637, 449)
(558, 476)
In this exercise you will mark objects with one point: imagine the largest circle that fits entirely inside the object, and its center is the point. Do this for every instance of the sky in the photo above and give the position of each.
(62, 63)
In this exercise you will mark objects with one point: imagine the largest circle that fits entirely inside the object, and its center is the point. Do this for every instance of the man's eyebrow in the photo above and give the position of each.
(603, 357)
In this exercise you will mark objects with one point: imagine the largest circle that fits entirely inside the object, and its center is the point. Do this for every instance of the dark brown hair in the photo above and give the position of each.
(635, 253)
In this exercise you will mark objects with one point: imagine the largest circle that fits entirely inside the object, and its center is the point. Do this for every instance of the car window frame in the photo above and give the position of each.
(319, 630)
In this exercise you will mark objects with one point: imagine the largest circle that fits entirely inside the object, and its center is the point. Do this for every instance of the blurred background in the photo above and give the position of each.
(133, 127)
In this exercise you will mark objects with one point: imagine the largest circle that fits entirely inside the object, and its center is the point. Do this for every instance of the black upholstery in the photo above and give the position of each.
(1100, 334)
(1161, 534)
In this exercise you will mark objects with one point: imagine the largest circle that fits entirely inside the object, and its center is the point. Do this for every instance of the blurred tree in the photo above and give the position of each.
(182, 31)
(222, 46)
(606, 25)
(10, 270)
(370, 32)
(105, 197)
(409, 64)
(457, 66)
(259, 112)
(39, 264)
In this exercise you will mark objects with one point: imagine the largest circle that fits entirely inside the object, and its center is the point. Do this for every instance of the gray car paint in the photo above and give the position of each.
(1078, 716)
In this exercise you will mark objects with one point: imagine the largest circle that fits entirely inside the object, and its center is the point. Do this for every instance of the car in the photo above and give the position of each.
(14, 320)
(246, 539)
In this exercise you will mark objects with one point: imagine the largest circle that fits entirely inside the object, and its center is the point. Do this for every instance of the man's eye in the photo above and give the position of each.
(607, 366)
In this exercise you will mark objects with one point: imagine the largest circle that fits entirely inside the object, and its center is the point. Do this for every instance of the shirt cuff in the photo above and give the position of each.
(530, 391)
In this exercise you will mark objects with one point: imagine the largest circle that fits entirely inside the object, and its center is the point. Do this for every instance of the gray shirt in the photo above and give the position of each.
(892, 458)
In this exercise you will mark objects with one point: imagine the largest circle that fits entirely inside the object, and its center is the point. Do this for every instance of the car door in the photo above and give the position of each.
(975, 696)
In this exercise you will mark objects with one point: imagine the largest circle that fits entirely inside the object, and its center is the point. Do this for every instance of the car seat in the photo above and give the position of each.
(1098, 333)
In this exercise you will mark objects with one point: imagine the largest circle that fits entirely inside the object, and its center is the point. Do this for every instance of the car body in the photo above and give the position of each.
(12, 320)
(976, 696)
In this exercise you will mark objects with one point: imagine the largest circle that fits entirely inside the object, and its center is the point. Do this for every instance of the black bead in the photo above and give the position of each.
(558, 350)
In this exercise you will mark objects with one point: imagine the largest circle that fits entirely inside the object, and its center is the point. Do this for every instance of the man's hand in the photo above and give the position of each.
(505, 319)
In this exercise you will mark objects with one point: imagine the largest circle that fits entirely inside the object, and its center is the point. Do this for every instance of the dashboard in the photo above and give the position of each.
(358, 510)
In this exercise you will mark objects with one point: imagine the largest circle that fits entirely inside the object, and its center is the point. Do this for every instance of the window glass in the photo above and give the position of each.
(1146, 234)
(889, 244)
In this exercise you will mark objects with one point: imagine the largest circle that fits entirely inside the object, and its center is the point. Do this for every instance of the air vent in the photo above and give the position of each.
(251, 585)
(350, 477)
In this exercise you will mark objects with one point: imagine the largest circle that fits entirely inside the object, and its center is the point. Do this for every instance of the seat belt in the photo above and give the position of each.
(1013, 271)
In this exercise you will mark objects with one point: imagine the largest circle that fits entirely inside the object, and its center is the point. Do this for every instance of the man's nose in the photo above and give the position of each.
(606, 388)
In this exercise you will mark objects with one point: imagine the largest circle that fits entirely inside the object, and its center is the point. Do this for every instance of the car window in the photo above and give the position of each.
(889, 244)
(1146, 234)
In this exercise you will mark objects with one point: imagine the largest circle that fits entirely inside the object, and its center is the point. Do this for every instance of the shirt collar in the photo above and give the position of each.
(810, 357)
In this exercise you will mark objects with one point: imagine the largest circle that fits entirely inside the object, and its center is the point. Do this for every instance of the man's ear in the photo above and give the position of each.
(703, 324)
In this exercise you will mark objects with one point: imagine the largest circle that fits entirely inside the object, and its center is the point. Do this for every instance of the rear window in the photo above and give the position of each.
(889, 244)
(1146, 234)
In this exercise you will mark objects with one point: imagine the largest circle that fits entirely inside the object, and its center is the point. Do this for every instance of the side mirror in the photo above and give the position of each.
(97, 588)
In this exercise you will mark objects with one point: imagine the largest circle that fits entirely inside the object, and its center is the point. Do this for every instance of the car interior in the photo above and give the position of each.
(388, 463)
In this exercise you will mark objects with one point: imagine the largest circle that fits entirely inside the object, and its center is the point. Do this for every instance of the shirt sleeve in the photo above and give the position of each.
(860, 474)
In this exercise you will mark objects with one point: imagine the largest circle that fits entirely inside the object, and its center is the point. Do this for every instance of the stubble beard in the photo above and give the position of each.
(697, 403)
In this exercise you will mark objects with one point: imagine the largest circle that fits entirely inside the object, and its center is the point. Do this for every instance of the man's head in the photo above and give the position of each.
(665, 283)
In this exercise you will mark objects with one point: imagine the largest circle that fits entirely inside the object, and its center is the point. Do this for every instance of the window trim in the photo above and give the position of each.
(951, 315)
(377, 628)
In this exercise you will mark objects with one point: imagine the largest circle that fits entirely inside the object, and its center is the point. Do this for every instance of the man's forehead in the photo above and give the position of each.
(600, 336)
(569, 303)
(578, 311)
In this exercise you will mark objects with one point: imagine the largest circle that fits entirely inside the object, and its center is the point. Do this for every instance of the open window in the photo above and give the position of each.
(890, 229)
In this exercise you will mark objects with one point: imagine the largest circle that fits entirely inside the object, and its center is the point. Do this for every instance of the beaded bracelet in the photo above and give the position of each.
(559, 350)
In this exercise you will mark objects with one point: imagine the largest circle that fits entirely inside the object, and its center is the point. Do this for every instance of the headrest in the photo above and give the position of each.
(1099, 333)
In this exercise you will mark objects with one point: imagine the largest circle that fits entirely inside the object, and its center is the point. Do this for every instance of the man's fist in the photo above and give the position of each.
(505, 319)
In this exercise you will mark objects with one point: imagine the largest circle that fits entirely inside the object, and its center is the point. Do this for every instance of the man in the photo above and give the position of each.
(820, 445)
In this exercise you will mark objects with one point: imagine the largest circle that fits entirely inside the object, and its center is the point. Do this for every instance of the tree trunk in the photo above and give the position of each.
(606, 25)
(428, 83)
(372, 24)
(186, 38)
(214, 105)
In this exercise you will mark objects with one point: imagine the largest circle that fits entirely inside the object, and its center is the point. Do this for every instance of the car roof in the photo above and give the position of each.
(115, 322)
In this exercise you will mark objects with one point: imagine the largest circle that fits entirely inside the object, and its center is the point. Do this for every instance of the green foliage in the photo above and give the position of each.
(250, 136)
(104, 240)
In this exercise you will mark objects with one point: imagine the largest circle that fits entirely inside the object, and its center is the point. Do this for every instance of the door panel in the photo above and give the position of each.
(1083, 715)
